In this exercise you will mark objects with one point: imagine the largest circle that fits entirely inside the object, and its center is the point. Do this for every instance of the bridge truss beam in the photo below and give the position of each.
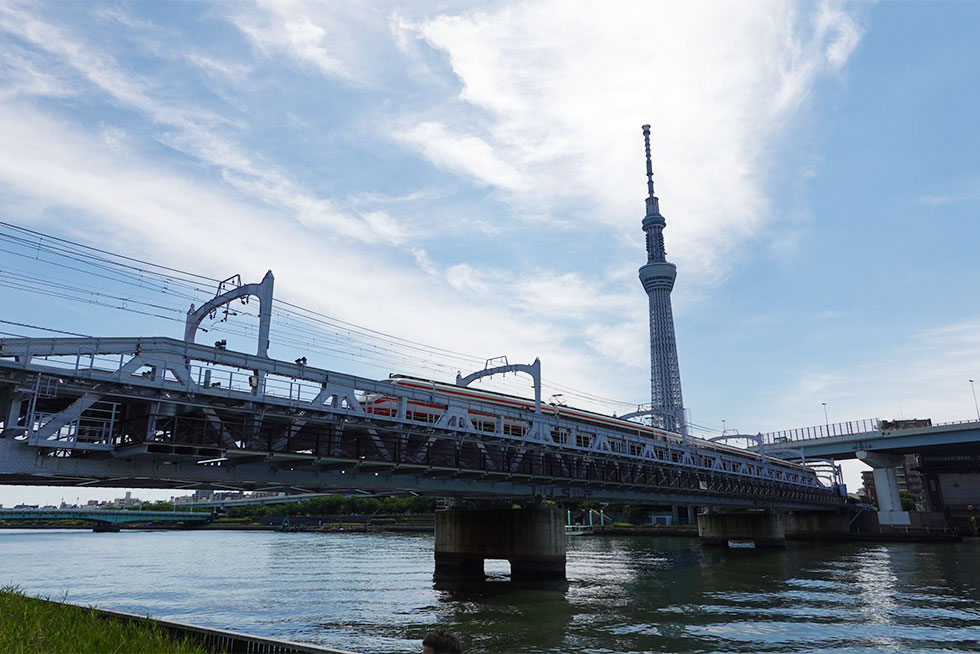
(157, 412)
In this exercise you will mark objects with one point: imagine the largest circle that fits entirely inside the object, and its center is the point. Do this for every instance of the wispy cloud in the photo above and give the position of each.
(939, 200)
(282, 29)
(552, 104)
(888, 381)
(201, 134)
(522, 119)
(464, 154)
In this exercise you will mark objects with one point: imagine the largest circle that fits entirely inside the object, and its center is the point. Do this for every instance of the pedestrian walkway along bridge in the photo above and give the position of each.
(160, 412)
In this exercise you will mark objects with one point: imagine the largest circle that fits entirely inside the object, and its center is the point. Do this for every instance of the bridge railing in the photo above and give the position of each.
(829, 430)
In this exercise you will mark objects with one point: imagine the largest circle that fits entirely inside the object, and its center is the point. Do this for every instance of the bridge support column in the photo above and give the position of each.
(816, 523)
(10, 407)
(761, 528)
(532, 539)
(886, 486)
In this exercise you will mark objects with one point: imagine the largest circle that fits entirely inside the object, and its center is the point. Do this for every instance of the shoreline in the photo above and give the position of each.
(87, 626)
(638, 530)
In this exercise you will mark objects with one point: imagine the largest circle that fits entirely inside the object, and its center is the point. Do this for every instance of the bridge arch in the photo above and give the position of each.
(262, 290)
(533, 369)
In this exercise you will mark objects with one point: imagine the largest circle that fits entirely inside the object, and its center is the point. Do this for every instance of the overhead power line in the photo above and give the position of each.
(108, 279)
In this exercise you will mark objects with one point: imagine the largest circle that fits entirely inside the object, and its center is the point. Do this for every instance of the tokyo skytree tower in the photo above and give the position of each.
(658, 277)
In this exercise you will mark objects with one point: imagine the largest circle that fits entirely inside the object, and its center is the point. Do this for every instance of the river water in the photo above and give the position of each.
(374, 592)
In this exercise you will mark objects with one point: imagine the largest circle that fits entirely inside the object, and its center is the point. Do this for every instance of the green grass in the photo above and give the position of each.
(29, 625)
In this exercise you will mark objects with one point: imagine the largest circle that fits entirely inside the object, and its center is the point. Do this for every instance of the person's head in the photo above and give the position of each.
(440, 641)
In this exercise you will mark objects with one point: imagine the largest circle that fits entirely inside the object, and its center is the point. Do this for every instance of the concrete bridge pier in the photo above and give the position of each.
(532, 539)
(761, 528)
(886, 486)
(681, 514)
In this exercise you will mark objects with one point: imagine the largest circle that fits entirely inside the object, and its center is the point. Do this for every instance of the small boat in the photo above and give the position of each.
(741, 544)
(577, 530)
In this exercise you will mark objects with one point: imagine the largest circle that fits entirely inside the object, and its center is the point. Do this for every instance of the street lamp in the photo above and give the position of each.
(826, 420)
(723, 427)
(976, 406)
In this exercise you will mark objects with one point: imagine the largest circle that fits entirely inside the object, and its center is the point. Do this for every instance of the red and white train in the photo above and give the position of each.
(624, 437)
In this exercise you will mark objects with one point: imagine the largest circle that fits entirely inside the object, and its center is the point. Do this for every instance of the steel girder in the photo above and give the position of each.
(164, 418)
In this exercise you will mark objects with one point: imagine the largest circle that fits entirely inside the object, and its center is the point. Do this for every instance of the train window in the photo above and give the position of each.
(514, 429)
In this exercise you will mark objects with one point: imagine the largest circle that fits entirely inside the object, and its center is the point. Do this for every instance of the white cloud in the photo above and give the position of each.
(553, 95)
(347, 42)
(839, 31)
(888, 382)
(626, 344)
(462, 153)
(425, 262)
(463, 277)
(939, 200)
(568, 295)
(200, 134)
(219, 68)
(23, 77)
(543, 106)
(282, 28)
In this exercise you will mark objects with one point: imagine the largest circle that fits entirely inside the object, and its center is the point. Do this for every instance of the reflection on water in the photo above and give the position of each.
(374, 592)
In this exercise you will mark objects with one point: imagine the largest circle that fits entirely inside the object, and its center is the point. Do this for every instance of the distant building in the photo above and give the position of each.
(868, 491)
(908, 478)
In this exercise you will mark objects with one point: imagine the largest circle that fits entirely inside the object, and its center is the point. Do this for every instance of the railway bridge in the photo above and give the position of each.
(158, 412)
(167, 413)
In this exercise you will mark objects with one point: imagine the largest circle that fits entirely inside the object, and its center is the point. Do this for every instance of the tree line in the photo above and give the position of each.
(339, 505)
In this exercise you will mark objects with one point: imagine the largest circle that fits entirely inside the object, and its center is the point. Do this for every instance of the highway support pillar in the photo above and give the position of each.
(742, 529)
(886, 487)
(532, 539)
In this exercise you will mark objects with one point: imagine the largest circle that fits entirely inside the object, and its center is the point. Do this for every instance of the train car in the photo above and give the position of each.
(629, 438)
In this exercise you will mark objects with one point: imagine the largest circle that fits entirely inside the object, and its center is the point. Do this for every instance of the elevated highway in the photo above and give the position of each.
(845, 440)
(949, 456)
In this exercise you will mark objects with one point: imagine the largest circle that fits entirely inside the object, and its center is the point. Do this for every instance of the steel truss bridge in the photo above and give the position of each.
(106, 516)
(166, 413)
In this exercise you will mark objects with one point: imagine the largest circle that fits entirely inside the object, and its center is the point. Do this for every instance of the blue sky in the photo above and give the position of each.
(471, 175)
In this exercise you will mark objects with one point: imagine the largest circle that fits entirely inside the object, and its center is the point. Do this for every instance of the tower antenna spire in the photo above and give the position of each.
(646, 139)
(657, 277)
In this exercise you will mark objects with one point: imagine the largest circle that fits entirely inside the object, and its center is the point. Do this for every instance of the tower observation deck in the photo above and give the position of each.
(657, 276)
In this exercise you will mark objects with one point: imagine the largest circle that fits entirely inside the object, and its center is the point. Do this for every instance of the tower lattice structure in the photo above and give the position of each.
(658, 277)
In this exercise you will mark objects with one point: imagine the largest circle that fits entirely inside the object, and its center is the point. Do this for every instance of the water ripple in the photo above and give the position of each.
(374, 592)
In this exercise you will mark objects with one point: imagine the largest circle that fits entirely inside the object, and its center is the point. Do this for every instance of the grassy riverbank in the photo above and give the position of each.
(29, 625)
